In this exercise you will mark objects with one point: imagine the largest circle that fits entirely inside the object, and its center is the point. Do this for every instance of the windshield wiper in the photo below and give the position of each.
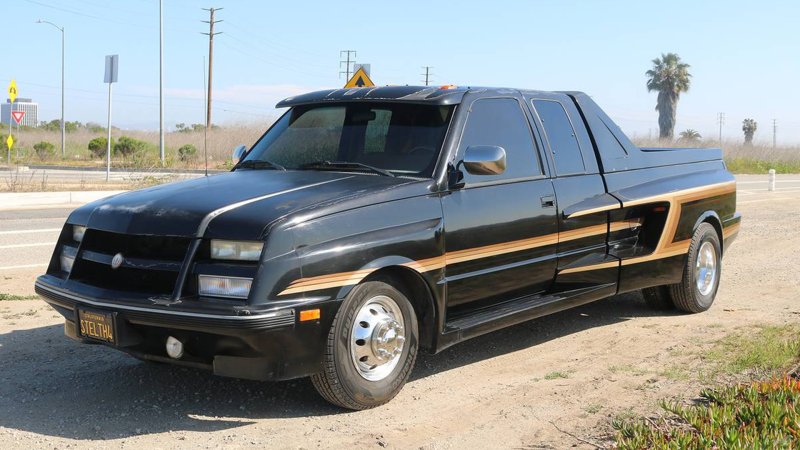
(258, 164)
(345, 165)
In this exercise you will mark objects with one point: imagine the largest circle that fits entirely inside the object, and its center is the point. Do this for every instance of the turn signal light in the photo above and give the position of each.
(309, 314)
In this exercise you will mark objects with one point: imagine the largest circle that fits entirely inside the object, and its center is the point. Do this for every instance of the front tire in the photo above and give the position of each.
(371, 348)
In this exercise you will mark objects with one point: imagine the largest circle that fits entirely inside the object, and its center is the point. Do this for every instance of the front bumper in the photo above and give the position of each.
(262, 345)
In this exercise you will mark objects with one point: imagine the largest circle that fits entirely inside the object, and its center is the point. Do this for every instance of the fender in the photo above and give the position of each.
(711, 217)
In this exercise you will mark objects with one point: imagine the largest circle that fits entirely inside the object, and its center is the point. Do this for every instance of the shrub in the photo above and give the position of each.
(758, 415)
(126, 146)
(97, 147)
(44, 150)
(187, 152)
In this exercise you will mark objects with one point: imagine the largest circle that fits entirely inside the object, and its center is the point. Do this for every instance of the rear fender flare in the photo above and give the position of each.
(713, 218)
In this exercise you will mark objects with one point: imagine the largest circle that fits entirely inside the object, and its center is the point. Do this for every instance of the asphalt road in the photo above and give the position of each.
(27, 237)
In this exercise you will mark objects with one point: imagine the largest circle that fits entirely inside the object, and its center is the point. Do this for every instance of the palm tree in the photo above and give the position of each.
(669, 76)
(749, 126)
(690, 136)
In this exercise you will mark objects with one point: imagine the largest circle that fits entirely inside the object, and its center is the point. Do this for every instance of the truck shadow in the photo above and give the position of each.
(52, 386)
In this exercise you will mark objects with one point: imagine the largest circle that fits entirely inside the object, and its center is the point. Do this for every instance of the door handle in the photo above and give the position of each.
(548, 201)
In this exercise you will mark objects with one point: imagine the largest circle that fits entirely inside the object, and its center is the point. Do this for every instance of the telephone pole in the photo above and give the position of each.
(210, 35)
(427, 74)
(721, 120)
(348, 63)
(774, 133)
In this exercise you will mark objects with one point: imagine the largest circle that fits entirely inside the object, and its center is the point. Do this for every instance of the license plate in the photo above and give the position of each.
(96, 325)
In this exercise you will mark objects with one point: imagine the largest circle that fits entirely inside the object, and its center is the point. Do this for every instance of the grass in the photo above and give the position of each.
(593, 408)
(749, 165)
(762, 351)
(627, 368)
(4, 297)
(675, 372)
(555, 375)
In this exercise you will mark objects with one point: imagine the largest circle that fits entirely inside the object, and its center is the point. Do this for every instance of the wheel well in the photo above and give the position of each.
(414, 287)
(714, 221)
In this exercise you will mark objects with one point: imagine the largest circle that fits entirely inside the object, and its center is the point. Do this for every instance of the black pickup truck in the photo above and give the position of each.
(367, 224)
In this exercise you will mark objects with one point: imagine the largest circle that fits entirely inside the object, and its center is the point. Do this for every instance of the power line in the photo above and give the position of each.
(211, 35)
(347, 62)
(427, 74)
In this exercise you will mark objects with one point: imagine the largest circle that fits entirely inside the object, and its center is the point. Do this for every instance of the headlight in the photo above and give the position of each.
(233, 287)
(77, 233)
(236, 250)
(67, 257)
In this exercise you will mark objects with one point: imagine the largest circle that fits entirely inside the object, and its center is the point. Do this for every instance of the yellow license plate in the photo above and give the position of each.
(96, 325)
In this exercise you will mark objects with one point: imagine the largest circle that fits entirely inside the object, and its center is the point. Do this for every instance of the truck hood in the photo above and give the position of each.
(233, 205)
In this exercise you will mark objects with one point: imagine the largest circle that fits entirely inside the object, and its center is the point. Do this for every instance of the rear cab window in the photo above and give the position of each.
(561, 137)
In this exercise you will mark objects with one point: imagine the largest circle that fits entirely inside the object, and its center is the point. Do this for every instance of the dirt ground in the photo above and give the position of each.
(555, 382)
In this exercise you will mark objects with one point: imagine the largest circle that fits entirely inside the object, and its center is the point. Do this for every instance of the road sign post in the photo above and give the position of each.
(12, 96)
(112, 67)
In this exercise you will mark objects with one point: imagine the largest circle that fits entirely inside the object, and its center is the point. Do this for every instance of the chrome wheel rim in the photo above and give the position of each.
(705, 270)
(377, 338)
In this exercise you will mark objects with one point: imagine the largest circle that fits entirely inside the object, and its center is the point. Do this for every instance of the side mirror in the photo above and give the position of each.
(238, 153)
(485, 160)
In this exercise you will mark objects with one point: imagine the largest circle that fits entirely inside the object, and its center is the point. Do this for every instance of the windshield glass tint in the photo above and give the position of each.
(404, 139)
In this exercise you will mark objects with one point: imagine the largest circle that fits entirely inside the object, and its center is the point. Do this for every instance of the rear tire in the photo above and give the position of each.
(371, 348)
(701, 275)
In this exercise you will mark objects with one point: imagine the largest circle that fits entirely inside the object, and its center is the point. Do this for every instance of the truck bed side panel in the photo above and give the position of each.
(669, 202)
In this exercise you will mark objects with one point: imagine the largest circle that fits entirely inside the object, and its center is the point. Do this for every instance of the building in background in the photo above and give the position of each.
(31, 109)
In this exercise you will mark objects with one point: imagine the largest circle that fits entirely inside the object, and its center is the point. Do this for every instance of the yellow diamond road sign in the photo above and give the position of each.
(12, 91)
(10, 142)
(359, 79)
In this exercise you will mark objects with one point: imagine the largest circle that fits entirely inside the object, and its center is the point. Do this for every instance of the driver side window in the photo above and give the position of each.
(501, 122)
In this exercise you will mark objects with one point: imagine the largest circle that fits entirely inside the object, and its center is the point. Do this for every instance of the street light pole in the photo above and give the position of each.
(161, 80)
(63, 124)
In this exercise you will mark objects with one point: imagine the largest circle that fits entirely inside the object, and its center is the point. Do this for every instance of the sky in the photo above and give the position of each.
(744, 56)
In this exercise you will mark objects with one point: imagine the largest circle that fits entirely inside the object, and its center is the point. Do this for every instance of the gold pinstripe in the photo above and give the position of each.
(665, 247)
(459, 256)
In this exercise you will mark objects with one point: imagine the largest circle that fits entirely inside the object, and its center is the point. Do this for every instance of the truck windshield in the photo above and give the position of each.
(398, 138)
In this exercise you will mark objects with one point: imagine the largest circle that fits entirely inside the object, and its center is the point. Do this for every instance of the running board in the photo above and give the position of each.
(486, 320)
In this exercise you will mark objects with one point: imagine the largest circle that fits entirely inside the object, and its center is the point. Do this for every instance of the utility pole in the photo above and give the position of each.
(721, 120)
(427, 74)
(161, 80)
(347, 62)
(774, 133)
(211, 35)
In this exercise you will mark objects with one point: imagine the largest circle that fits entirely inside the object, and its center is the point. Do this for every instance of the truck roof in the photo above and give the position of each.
(433, 95)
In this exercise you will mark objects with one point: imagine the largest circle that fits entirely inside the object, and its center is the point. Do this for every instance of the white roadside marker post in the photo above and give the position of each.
(771, 187)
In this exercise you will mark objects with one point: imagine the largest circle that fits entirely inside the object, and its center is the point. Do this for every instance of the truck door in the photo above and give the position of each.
(500, 230)
(583, 240)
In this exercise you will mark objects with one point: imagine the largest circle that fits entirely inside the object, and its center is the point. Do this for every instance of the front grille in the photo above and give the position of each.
(151, 263)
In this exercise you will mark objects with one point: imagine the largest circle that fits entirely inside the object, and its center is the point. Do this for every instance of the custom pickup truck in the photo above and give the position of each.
(368, 224)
